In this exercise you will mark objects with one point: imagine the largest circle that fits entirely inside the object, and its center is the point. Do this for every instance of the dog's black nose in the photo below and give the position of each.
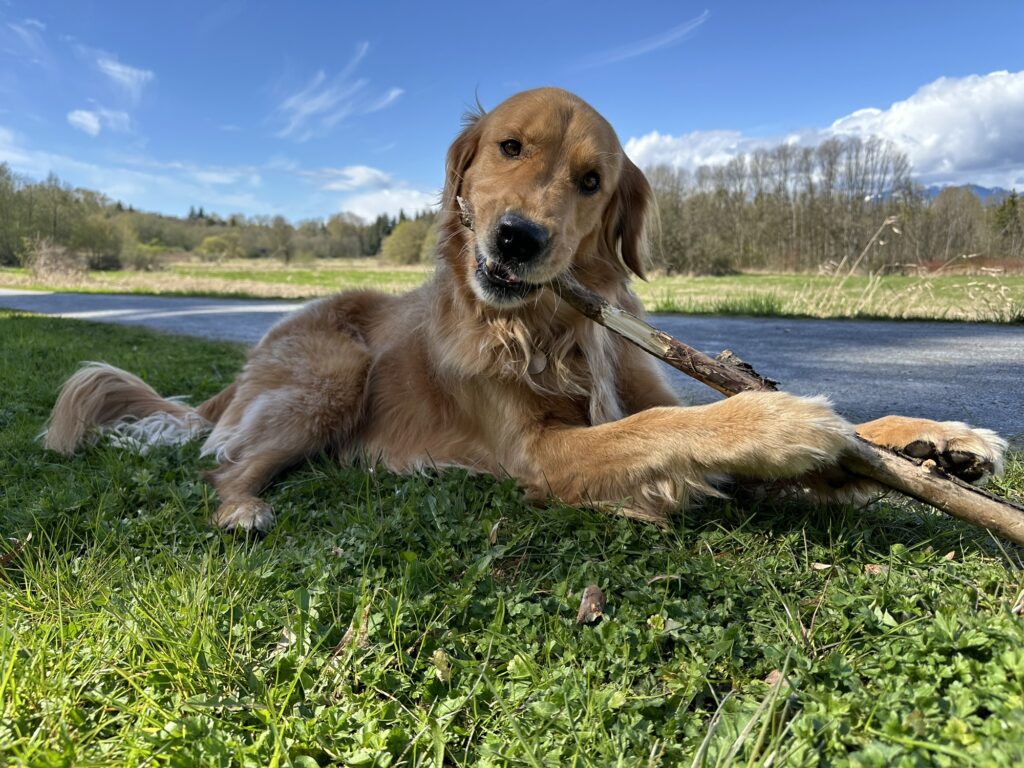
(520, 239)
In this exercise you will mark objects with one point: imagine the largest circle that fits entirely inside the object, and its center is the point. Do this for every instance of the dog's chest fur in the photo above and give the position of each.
(554, 360)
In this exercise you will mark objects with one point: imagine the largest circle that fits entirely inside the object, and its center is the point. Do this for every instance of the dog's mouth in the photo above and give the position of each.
(500, 280)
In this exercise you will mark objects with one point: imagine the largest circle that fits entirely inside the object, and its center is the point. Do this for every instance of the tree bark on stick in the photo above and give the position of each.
(923, 481)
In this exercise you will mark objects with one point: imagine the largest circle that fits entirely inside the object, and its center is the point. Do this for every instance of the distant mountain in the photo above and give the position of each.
(985, 194)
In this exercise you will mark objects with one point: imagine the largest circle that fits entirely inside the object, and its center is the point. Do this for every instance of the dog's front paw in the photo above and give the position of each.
(247, 514)
(788, 436)
(973, 455)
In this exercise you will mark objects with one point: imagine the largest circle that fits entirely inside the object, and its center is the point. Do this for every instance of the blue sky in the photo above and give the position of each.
(307, 109)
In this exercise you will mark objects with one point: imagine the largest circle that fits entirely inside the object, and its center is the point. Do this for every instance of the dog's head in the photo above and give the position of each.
(549, 189)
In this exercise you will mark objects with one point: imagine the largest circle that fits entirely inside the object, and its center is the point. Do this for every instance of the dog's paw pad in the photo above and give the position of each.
(248, 515)
(971, 455)
(920, 449)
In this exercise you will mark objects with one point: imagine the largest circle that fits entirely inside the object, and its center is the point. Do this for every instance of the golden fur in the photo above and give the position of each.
(469, 372)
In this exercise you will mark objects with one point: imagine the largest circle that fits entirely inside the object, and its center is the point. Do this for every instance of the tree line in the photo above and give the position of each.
(109, 235)
(788, 208)
(797, 208)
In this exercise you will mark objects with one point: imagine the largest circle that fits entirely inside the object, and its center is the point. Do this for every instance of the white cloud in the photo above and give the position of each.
(325, 102)
(674, 35)
(93, 121)
(350, 178)
(369, 205)
(129, 79)
(34, 23)
(690, 150)
(372, 191)
(954, 130)
(85, 121)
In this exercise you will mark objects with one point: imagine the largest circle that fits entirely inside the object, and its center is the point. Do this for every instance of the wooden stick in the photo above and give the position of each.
(923, 481)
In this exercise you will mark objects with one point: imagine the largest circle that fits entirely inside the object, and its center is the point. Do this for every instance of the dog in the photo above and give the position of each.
(484, 369)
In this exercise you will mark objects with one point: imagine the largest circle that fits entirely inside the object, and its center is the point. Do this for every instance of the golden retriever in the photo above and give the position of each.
(483, 368)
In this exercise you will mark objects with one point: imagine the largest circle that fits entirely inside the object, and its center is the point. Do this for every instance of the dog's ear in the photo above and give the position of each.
(625, 235)
(460, 157)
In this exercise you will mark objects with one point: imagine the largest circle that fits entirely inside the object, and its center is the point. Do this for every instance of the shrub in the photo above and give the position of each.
(46, 260)
(404, 244)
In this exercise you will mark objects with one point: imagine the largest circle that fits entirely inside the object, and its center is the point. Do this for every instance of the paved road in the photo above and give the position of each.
(936, 370)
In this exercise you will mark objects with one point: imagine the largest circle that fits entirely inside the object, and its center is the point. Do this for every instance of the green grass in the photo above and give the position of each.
(134, 633)
(971, 298)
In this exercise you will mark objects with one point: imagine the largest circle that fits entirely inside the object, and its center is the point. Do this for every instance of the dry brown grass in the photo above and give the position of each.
(992, 298)
(48, 261)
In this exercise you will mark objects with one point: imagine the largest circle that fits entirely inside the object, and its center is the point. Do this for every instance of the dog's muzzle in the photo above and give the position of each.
(503, 264)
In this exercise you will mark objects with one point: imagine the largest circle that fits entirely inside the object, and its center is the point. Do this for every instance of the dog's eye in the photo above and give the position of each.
(590, 183)
(511, 148)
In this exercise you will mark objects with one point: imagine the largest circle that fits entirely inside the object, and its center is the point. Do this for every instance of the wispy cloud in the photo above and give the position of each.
(209, 175)
(130, 79)
(323, 103)
(172, 186)
(92, 121)
(349, 178)
(169, 187)
(26, 42)
(648, 45)
(385, 101)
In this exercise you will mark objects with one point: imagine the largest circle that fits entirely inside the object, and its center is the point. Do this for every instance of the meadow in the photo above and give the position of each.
(984, 298)
(430, 620)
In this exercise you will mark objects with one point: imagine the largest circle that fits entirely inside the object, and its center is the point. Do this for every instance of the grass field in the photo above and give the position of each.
(430, 620)
(969, 298)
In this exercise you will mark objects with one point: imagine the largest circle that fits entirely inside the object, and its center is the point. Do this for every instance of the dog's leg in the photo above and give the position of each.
(296, 397)
(653, 461)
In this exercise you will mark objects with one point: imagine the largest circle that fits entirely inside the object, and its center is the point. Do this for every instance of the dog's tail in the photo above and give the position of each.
(101, 399)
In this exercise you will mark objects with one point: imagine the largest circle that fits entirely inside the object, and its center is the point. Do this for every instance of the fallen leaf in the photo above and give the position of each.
(949, 556)
(873, 569)
(592, 605)
(492, 537)
(820, 566)
(359, 635)
(442, 668)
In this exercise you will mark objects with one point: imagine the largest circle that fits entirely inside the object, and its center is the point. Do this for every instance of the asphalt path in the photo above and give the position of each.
(945, 371)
